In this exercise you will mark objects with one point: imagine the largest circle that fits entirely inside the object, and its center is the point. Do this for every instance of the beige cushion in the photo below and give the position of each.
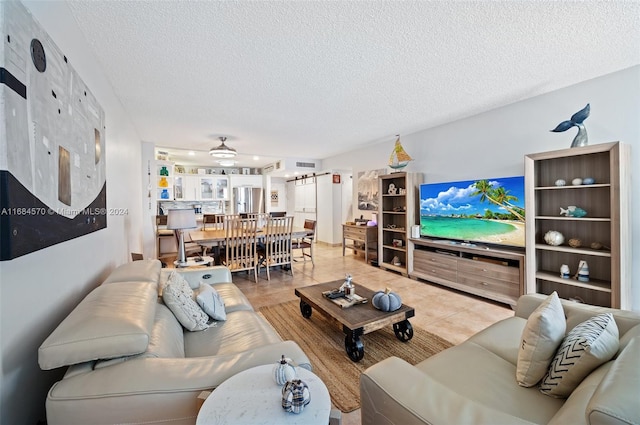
(177, 295)
(136, 271)
(114, 320)
(587, 346)
(166, 340)
(541, 337)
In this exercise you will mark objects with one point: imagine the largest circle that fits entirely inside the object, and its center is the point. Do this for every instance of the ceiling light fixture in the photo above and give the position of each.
(223, 151)
(226, 162)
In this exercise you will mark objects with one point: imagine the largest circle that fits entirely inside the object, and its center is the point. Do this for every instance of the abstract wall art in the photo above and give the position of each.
(52, 142)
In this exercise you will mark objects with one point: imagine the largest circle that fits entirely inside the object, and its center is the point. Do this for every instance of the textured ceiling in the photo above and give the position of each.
(314, 79)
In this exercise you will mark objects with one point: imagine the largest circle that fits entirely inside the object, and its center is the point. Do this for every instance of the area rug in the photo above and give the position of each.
(323, 343)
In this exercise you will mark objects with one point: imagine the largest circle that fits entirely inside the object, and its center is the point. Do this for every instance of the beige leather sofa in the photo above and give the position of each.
(475, 382)
(130, 361)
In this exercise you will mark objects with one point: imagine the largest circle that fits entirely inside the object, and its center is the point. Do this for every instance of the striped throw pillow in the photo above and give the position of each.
(587, 346)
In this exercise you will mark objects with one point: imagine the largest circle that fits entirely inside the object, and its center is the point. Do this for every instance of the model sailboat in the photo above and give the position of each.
(399, 157)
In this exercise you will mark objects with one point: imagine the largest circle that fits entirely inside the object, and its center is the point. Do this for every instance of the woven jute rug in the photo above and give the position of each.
(323, 343)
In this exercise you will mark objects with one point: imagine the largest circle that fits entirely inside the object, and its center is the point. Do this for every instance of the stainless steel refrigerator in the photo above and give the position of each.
(247, 199)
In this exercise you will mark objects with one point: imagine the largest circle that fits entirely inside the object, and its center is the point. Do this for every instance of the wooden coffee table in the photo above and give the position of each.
(356, 320)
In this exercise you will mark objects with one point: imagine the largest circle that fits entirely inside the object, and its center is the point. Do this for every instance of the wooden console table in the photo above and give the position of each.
(366, 236)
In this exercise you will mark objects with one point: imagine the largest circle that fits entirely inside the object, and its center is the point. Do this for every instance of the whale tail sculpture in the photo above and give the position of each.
(576, 120)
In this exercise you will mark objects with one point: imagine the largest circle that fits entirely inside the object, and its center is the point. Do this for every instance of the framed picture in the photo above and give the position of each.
(368, 189)
(336, 178)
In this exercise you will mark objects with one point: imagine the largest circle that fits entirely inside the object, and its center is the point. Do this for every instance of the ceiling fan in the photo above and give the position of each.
(223, 151)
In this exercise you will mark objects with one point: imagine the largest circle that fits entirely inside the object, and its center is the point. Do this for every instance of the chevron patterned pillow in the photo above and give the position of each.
(587, 346)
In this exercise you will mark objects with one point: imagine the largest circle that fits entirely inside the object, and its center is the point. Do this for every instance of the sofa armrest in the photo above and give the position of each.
(152, 390)
(395, 392)
(615, 401)
(210, 275)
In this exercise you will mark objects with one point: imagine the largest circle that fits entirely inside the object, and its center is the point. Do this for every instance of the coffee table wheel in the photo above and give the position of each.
(354, 347)
(403, 330)
(305, 309)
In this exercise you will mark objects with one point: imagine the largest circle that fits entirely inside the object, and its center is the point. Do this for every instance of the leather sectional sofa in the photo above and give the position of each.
(475, 382)
(130, 361)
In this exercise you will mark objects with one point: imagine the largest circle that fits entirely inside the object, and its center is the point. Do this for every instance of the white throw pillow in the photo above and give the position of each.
(587, 346)
(186, 310)
(176, 278)
(211, 302)
(540, 340)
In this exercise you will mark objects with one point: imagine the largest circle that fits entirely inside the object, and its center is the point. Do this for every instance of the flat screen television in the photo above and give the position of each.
(489, 211)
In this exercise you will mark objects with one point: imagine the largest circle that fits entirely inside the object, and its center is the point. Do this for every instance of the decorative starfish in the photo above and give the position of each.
(576, 120)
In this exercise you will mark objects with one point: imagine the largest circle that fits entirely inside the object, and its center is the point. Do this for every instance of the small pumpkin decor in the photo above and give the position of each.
(295, 396)
(386, 300)
(284, 371)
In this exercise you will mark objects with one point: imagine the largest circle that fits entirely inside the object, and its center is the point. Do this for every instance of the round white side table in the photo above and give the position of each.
(191, 262)
(253, 397)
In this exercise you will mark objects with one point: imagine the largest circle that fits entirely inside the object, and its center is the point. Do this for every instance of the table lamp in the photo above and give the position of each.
(180, 220)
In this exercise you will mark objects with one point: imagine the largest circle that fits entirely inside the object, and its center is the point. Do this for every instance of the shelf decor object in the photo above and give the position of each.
(576, 120)
(399, 157)
(601, 238)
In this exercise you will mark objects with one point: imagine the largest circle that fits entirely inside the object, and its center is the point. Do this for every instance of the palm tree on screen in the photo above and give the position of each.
(498, 196)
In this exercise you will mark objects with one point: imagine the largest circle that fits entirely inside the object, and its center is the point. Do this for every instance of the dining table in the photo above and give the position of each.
(214, 238)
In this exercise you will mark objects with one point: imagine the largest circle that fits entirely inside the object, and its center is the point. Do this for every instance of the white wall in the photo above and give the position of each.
(39, 289)
(494, 143)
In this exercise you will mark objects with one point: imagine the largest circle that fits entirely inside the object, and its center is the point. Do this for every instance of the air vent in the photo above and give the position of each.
(305, 164)
(268, 169)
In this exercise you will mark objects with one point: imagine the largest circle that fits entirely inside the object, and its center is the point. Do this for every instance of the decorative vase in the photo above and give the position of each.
(283, 371)
(295, 396)
(163, 182)
(583, 271)
(164, 171)
(164, 194)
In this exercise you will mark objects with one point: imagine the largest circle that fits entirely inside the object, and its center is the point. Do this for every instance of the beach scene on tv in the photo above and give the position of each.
(489, 210)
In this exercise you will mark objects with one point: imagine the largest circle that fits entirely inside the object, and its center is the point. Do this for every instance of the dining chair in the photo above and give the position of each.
(306, 242)
(261, 219)
(215, 219)
(240, 246)
(190, 247)
(277, 244)
(162, 233)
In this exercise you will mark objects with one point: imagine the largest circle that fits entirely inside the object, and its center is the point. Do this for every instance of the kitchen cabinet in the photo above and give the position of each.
(201, 187)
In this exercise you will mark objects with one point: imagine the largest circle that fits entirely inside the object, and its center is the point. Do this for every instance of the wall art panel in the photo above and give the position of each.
(52, 142)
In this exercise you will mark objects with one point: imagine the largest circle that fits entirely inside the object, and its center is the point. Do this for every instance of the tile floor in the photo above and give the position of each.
(451, 314)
